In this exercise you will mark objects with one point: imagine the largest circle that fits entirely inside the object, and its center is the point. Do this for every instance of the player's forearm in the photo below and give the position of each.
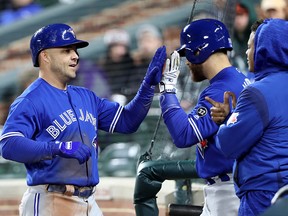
(177, 122)
(134, 112)
(24, 150)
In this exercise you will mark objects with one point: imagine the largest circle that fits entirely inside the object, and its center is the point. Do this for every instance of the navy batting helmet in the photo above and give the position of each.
(51, 36)
(201, 38)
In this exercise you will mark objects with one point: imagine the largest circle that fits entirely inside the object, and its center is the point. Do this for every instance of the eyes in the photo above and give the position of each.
(69, 51)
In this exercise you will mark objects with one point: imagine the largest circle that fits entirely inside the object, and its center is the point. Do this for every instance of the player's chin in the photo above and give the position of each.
(72, 75)
(73, 71)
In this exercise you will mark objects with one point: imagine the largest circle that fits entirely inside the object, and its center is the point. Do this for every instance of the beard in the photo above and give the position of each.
(197, 73)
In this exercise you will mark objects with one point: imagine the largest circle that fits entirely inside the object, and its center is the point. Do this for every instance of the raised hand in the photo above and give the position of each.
(76, 150)
(220, 111)
(170, 75)
(154, 71)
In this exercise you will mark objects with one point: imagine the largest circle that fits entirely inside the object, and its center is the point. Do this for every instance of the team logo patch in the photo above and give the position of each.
(201, 111)
(233, 118)
(201, 147)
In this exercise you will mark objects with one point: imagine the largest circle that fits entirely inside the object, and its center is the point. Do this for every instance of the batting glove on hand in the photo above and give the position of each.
(76, 150)
(170, 76)
(154, 72)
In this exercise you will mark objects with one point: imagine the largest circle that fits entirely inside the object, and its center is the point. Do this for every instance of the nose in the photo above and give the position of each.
(75, 55)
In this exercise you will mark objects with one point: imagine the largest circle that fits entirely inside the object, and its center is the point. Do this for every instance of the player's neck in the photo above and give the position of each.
(53, 81)
(214, 64)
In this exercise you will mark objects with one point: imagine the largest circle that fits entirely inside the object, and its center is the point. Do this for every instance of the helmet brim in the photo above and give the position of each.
(181, 50)
(79, 44)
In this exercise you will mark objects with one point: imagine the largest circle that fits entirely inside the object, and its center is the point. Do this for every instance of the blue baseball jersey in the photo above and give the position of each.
(197, 127)
(44, 114)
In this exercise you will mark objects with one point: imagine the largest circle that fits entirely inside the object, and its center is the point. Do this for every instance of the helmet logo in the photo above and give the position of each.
(67, 34)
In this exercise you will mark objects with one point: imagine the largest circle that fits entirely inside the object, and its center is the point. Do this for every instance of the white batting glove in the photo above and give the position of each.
(170, 75)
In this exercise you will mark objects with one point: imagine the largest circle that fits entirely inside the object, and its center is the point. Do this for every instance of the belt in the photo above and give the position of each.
(220, 178)
(71, 190)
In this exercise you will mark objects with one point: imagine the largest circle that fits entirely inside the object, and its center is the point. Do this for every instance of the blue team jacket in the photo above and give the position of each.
(256, 134)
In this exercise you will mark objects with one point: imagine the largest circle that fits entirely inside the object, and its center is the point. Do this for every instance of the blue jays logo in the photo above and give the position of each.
(233, 118)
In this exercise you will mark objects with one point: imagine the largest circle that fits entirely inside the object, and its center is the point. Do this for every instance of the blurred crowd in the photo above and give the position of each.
(14, 10)
(118, 73)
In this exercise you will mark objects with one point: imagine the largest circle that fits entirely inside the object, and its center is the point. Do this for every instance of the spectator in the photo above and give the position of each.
(240, 36)
(26, 79)
(91, 76)
(273, 9)
(171, 38)
(148, 38)
(7, 97)
(18, 10)
(118, 64)
(9, 94)
(3, 4)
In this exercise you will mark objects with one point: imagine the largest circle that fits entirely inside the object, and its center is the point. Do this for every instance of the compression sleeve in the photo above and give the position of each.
(176, 121)
(136, 110)
(24, 150)
(189, 129)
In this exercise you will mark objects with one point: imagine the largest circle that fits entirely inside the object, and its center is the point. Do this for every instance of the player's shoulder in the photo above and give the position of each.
(35, 88)
(82, 91)
(79, 89)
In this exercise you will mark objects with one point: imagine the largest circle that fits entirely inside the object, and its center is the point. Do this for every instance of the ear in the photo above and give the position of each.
(43, 57)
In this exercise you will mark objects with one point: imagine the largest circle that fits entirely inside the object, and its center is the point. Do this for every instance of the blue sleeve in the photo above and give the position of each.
(245, 126)
(16, 140)
(24, 150)
(189, 129)
(22, 118)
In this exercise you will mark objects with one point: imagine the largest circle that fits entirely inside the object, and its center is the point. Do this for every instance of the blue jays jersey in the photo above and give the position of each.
(46, 114)
(197, 128)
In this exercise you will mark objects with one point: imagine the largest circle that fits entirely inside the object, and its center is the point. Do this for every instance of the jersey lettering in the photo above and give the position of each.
(53, 131)
(67, 118)
(87, 117)
(246, 82)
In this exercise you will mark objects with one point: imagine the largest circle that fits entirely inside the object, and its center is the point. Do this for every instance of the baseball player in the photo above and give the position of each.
(52, 127)
(256, 132)
(204, 43)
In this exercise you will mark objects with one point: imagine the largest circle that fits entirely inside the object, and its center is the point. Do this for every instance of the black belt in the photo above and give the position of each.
(72, 190)
(222, 178)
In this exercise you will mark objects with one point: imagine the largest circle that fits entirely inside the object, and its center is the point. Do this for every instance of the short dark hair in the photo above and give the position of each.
(256, 24)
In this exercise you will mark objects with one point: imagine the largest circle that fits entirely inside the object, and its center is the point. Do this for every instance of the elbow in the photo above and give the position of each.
(3, 152)
(130, 130)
